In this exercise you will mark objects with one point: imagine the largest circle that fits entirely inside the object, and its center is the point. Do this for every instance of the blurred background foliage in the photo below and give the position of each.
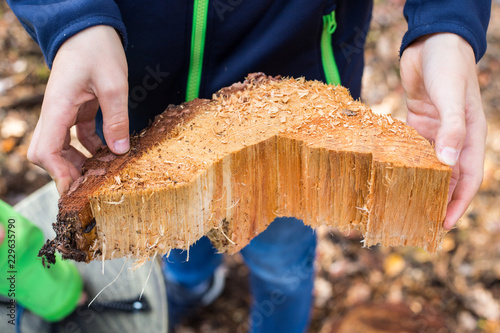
(356, 289)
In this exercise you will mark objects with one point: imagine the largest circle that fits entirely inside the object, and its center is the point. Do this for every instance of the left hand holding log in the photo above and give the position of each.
(439, 76)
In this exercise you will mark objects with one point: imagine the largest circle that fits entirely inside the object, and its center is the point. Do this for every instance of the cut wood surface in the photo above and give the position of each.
(264, 148)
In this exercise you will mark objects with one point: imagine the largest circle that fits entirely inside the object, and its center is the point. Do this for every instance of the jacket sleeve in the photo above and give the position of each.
(466, 18)
(51, 22)
(51, 293)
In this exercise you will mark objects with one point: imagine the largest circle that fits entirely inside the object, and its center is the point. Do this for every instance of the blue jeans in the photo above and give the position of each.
(281, 264)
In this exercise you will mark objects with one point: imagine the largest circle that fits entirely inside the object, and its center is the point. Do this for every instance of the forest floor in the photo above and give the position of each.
(356, 289)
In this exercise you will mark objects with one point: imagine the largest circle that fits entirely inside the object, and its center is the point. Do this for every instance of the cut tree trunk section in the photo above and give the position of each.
(265, 148)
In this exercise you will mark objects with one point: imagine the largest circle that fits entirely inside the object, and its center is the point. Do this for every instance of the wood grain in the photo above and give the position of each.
(261, 149)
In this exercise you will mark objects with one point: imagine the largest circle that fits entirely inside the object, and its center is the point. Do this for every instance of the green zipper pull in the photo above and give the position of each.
(199, 28)
(330, 22)
(327, 57)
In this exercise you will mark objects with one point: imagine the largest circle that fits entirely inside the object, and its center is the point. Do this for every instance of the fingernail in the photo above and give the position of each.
(122, 146)
(449, 156)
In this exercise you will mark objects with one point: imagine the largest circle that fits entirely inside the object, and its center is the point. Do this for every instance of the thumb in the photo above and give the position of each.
(445, 82)
(451, 135)
(113, 102)
(449, 100)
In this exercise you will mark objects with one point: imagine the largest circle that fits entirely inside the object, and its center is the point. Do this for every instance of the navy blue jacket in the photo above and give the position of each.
(278, 37)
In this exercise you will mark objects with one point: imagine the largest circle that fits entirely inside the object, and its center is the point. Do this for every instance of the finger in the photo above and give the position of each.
(471, 171)
(465, 190)
(425, 124)
(64, 176)
(52, 137)
(85, 132)
(455, 177)
(36, 156)
(76, 158)
(31, 154)
(446, 82)
(85, 127)
(113, 98)
(2, 234)
(466, 187)
(451, 134)
(411, 74)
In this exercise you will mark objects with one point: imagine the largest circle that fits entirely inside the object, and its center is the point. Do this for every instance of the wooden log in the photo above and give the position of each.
(265, 148)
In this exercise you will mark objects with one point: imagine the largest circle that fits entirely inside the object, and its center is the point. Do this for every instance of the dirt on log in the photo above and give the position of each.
(264, 148)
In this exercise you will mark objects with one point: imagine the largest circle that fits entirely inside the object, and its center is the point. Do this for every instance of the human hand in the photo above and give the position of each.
(439, 76)
(2, 234)
(90, 69)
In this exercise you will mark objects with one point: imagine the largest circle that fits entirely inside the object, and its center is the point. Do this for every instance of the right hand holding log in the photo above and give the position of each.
(438, 72)
(89, 70)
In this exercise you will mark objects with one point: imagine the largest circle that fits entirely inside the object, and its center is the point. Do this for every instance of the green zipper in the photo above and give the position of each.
(327, 57)
(198, 32)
